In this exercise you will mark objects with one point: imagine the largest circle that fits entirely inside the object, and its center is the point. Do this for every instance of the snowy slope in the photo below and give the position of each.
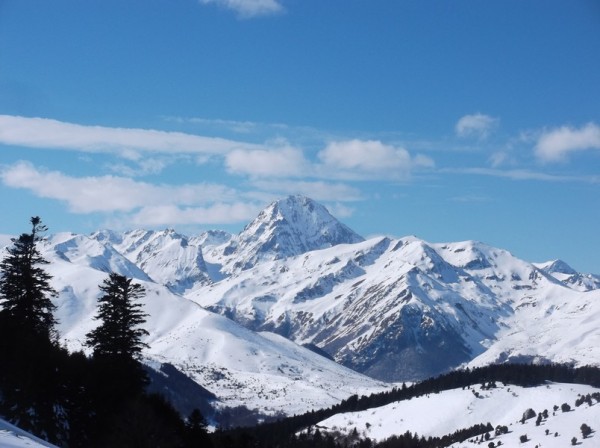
(456, 409)
(5, 240)
(562, 326)
(406, 309)
(239, 366)
(14, 437)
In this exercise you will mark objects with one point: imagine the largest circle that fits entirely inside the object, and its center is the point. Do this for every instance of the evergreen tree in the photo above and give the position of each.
(29, 378)
(25, 291)
(117, 342)
(196, 432)
(585, 430)
(119, 335)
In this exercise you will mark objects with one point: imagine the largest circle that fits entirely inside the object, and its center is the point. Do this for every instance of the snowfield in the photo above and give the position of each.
(13, 437)
(449, 411)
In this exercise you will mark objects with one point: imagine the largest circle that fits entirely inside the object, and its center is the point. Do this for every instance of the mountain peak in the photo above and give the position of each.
(289, 227)
(292, 207)
(557, 267)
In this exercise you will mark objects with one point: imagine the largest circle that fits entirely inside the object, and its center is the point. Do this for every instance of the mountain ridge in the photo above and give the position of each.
(395, 309)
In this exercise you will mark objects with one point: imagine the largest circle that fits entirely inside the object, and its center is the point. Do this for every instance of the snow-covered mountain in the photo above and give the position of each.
(169, 256)
(234, 311)
(241, 367)
(406, 309)
(288, 227)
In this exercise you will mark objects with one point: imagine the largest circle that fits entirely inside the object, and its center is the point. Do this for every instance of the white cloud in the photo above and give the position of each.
(144, 167)
(238, 127)
(499, 158)
(422, 161)
(248, 8)
(367, 159)
(281, 162)
(127, 142)
(476, 125)
(522, 174)
(556, 144)
(108, 193)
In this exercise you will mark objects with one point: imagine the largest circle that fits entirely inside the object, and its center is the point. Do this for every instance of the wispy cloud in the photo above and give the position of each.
(109, 193)
(556, 144)
(142, 167)
(368, 159)
(471, 198)
(214, 214)
(235, 126)
(522, 174)
(278, 162)
(129, 143)
(246, 9)
(317, 190)
(476, 125)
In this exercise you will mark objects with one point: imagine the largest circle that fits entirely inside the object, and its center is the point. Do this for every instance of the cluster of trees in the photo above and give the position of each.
(69, 398)
(318, 439)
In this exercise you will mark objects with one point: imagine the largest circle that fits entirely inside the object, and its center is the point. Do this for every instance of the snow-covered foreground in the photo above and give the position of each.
(13, 437)
(449, 411)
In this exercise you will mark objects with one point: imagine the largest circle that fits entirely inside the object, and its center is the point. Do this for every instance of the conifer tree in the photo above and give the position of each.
(117, 341)
(119, 334)
(25, 291)
(29, 383)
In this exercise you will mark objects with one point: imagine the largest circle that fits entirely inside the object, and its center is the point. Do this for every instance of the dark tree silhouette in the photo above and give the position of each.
(29, 381)
(119, 335)
(585, 430)
(196, 430)
(117, 342)
(25, 291)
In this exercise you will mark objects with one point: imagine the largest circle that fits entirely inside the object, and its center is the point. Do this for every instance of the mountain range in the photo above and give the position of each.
(297, 311)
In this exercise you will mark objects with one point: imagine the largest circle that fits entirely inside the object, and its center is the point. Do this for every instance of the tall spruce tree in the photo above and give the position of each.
(119, 335)
(117, 341)
(25, 291)
(29, 382)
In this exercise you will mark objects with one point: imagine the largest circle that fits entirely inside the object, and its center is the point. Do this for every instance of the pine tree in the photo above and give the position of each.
(29, 382)
(25, 291)
(117, 341)
(196, 433)
(118, 336)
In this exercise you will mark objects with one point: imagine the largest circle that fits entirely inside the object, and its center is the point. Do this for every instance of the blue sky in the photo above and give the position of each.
(449, 120)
